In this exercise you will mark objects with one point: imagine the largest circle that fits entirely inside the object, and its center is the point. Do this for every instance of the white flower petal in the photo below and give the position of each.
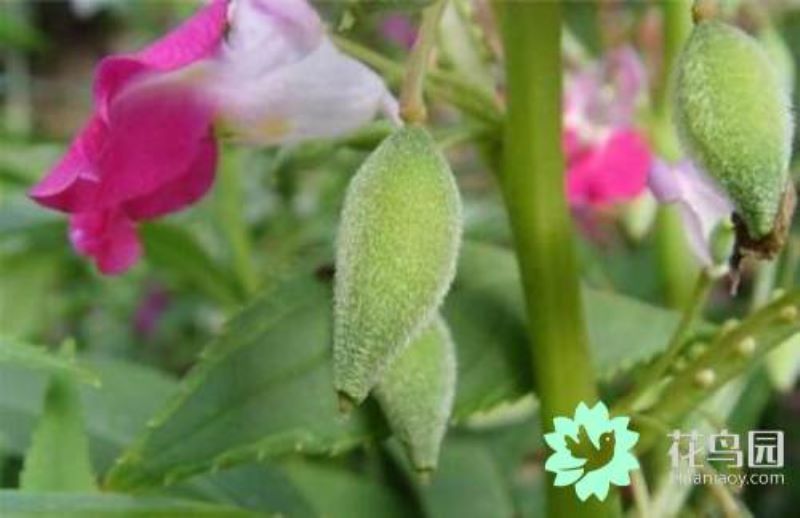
(702, 204)
(325, 94)
(267, 34)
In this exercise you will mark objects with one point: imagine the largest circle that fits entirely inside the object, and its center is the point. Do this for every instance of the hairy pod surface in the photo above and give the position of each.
(396, 256)
(417, 393)
(733, 116)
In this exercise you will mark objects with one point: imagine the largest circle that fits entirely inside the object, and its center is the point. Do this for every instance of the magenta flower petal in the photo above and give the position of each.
(154, 135)
(73, 182)
(613, 171)
(149, 148)
(702, 205)
(109, 237)
(181, 192)
(197, 38)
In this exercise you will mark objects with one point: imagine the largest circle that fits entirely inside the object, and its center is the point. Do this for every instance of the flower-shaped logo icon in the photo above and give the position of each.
(591, 451)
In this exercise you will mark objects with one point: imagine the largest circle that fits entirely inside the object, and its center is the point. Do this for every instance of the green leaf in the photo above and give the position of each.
(467, 484)
(258, 487)
(25, 282)
(337, 493)
(485, 310)
(176, 251)
(15, 504)
(299, 488)
(37, 357)
(15, 33)
(58, 459)
(617, 337)
(114, 413)
(18, 217)
(263, 388)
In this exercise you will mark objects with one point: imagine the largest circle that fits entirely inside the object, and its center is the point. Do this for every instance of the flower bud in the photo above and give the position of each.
(396, 256)
(417, 393)
(723, 241)
(733, 116)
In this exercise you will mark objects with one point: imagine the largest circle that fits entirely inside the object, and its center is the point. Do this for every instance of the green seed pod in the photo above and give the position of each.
(417, 392)
(396, 256)
(733, 116)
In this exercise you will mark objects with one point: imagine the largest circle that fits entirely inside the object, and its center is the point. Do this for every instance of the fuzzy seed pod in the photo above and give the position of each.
(396, 256)
(733, 116)
(417, 393)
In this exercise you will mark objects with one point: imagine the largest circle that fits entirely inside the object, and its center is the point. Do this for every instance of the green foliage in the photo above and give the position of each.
(300, 488)
(733, 115)
(20, 35)
(617, 340)
(25, 284)
(38, 358)
(114, 412)
(15, 504)
(58, 459)
(340, 494)
(263, 388)
(467, 484)
(396, 253)
(178, 253)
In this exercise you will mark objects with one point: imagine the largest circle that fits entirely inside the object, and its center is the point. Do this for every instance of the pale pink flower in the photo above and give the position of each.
(701, 202)
(262, 68)
(607, 158)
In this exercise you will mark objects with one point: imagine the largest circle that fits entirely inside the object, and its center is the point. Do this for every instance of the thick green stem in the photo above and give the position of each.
(533, 186)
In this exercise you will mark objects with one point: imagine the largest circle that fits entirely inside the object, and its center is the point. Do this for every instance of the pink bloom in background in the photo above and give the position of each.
(150, 311)
(149, 148)
(607, 158)
(701, 203)
(398, 29)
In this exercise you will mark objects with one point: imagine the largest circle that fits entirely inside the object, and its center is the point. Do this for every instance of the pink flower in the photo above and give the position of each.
(398, 29)
(701, 203)
(607, 159)
(149, 149)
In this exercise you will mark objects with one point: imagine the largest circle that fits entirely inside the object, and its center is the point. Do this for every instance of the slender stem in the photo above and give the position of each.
(764, 283)
(533, 186)
(676, 261)
(791, 261)
(658, 368)
(641, 495)
(724, 360)
(676, 15)
(412, 105)
(721, 494)
(231, 217)
(19, 102)
(447, 86)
